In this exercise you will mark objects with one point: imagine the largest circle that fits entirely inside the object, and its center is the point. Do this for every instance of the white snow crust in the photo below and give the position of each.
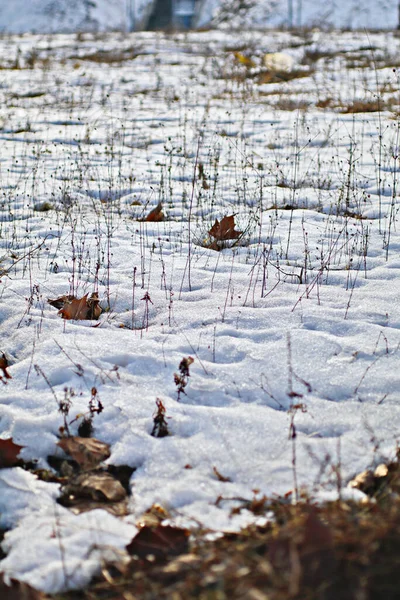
(47, 16)
(303, 311)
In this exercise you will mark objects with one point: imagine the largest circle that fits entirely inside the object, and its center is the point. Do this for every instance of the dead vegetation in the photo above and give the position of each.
(337, 550)
(362, 106)
(282, 76)
(109, 57)
(304, 551)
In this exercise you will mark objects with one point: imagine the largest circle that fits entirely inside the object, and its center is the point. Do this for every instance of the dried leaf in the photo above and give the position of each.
(364, 481)
(225, 230)
(94, 307)
(87, 452)
(85, 308)
(155, 215)
(161, 542)
(93, 490)
(381, 470)
(81, 308)
(372, 482)
(123, 474)
(8, 453)
(244, 60)
(60, 301)
(4, 365)
(153, 516)
(15, 590)
(99, 486)
(118, 509)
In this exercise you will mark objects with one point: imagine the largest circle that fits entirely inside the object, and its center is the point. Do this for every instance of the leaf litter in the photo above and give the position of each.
(86, 484)
(341, 549)
(80, 309)
(223, 234)
(9, 452)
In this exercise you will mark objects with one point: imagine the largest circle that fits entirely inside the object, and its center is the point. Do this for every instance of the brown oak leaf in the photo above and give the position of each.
(8, 453)
(94, 489)
(225, 229)
(3, 366)
(155, 215)
(85, 308)
(87, 452)
(60, 301)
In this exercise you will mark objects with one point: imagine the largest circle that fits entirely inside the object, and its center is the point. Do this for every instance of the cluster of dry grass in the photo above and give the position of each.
(338, 550)
(303, 551)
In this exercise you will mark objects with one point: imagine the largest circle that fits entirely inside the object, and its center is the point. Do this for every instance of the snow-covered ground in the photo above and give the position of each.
(46, 16)
(296, 324)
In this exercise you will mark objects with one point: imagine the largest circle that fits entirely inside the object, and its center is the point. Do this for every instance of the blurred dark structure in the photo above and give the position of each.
(178, 14)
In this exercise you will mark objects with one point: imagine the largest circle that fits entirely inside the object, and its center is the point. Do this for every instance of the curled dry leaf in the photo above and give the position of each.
(98, 485)
(4, 365)
(87, 452)
(153, 516)
(80, 309)
(155, 215)
(372, 483)
(160, 542)
(8, 453)
(225, 229)
(123, 474)
(60, 301)
(95, 489)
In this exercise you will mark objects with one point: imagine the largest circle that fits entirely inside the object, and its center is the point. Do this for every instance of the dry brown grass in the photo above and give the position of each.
(107, 56)
(362, 106)
(304, 551)
(281, 76)
(338, 550)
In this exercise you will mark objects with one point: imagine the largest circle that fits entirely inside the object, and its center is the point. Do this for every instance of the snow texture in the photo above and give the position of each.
(296, 323)
(45, 16)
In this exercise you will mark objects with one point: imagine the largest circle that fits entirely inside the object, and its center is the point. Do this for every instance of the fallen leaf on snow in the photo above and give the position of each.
(87, 452)
(80, 309)
(153, 516)
(8, 453)
(123, 473)
(60, 301)
(225, 229)
(155, 215)
(99, 486)
(93, 490)
(4, 365)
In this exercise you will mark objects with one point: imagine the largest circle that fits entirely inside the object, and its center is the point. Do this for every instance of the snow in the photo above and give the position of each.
(45, 16)
(306, 303)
